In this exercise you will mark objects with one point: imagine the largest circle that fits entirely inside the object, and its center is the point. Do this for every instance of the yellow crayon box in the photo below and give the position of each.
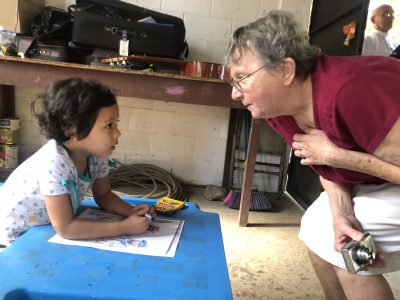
(168, 205)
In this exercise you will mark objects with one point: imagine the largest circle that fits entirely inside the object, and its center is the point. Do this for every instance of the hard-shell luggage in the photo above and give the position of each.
(115, 25)
(48, 52)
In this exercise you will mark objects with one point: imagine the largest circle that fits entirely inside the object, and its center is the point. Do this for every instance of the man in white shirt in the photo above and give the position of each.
(377, 43)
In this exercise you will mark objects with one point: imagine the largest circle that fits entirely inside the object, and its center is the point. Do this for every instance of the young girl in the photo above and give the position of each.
(79, 117)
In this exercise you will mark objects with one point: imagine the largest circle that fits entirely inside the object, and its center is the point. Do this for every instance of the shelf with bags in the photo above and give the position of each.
(129, 83)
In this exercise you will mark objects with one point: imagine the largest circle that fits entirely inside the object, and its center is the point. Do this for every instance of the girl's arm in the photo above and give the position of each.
(110, 202)
(71, 227)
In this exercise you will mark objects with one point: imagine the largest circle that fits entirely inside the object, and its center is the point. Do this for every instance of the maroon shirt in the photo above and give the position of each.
(356, 101)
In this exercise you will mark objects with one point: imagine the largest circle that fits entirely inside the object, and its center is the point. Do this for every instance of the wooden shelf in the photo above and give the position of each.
(140, 84)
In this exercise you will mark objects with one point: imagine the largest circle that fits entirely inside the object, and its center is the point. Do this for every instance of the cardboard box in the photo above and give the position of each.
(8, 136)
(17, 15)
(9, 123)
(9, 130)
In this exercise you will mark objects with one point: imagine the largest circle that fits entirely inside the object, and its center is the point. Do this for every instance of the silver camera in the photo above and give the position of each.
(357, 255)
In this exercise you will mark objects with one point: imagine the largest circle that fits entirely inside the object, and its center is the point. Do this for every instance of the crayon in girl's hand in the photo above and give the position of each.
(149, 216)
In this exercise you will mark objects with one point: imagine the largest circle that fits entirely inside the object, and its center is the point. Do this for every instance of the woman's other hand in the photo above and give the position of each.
(315, 148)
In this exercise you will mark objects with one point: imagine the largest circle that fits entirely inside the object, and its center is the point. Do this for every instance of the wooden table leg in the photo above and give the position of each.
(7, 107)
(249, 167)
(230, 148)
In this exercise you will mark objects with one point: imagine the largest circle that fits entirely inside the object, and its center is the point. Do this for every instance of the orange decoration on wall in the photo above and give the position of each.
(349, 30)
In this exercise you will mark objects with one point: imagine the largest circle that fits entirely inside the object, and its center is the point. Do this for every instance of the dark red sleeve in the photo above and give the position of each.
(367, 108)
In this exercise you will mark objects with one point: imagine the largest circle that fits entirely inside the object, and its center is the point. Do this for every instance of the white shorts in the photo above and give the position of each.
(376, 207)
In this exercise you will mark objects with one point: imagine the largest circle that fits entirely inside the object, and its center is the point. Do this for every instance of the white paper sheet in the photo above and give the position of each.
(161, 239)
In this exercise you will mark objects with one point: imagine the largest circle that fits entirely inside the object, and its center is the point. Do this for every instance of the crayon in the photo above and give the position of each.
(149, 216)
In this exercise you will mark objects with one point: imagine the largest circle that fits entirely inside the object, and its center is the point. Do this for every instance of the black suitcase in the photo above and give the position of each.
(104, 23)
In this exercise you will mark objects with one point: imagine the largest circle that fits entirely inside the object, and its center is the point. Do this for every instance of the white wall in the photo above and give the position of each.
(188, 140)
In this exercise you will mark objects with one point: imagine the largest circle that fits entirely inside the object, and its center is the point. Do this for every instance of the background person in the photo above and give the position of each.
(310, 98)
(79, 117)
(378, 43)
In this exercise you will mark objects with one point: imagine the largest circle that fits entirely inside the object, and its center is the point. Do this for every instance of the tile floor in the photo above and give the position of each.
(266, 260)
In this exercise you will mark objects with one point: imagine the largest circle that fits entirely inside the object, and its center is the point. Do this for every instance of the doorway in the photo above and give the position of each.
(394, 33)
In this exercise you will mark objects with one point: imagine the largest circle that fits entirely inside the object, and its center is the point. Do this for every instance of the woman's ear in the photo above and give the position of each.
(288, 68)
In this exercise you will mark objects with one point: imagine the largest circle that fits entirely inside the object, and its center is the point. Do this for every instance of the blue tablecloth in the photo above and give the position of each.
(32, 268)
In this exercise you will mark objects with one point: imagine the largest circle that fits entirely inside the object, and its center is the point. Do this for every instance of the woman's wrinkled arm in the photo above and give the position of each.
(315, 148)
(345, 224)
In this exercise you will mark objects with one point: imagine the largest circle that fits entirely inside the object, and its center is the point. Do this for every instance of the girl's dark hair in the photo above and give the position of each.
(70, 102)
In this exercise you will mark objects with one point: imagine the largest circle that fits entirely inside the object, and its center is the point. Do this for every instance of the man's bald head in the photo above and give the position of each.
(382, 17)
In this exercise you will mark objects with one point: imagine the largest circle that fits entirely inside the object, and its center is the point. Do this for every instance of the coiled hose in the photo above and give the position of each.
(153, 182)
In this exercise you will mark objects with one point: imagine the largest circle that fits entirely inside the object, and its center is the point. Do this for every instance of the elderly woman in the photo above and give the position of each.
(341, 115)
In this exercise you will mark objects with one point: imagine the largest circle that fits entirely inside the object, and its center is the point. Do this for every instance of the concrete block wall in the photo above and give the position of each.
(187, 140)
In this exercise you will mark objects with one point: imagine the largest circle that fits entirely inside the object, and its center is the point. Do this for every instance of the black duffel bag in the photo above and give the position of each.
(52, 26)
(104, 23)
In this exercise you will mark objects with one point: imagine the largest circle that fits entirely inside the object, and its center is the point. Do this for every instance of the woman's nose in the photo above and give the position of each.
(236, 93)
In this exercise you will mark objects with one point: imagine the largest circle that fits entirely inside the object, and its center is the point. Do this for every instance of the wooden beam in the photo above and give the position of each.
(139, 84)
(249, 167)
(230, 148)
(7, 106)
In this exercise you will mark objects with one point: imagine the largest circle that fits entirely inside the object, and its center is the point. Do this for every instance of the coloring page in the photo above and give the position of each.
(161, 239)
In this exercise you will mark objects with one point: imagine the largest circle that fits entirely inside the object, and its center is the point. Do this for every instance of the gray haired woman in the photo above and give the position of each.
(341, 116)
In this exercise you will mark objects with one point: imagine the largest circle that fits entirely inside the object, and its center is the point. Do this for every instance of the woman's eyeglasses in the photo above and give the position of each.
(236, 83)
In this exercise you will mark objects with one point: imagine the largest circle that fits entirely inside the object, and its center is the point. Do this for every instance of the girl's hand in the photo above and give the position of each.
(135, 224)
(315, 148)
(142, 209)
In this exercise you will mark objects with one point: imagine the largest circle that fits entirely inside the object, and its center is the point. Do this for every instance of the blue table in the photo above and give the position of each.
(32, 268)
